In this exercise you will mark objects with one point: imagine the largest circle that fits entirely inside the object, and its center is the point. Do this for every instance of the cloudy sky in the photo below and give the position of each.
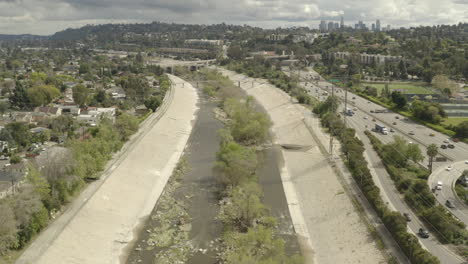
(45, 17)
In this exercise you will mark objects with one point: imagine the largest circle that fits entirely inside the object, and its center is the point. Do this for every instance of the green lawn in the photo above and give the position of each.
(412, 88)
(454, 120)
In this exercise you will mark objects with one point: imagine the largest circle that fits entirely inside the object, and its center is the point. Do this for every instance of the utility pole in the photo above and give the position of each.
(345, 105)
(331, 126)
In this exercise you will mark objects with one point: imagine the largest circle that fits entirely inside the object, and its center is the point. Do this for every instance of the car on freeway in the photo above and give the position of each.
(451, 146)
(443, 146)
(449, 168)
(411, 133)
(449, 204)
(432, 134)
(423, 233)
(407, 217)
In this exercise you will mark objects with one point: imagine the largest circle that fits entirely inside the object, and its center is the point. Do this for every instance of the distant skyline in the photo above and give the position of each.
(45, 17)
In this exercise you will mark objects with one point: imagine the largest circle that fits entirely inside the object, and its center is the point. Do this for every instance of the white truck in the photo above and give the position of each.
(382, 129)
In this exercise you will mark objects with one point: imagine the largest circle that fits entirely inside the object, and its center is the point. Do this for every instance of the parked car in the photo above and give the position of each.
(449, 204)
(451, 146)
(466, 161)
(354, 109)
(397, 117)
(372, 111)
(439, 185)
(365, 117)
(373, 119)
(354, 97)
(449, 168)
(3, 157)
(432, 134)
(411, 133)
(407, 217)
(392, 130)
(443, 146)
(394, 123)
(446, 140)
(406, 119)
(423, 233)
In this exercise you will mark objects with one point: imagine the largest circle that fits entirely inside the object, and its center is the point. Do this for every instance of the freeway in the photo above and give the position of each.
(422, 135)
(359, 121)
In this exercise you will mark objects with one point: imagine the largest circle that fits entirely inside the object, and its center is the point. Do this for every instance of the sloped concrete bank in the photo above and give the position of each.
(106, 218)
(323, 215)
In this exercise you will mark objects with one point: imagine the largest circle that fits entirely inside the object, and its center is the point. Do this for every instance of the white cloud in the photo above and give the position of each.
(49, 16)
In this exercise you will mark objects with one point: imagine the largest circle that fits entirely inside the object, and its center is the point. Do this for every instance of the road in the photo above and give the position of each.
(390, 194)
(422, 136)
(99, 223)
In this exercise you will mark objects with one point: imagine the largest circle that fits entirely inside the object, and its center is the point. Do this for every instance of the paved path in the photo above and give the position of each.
(100, 222)
(323, 215)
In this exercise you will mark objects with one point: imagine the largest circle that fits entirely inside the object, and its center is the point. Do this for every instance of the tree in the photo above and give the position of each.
(244, 207)
(8, 228)
(235, 52)
(399, 152)
(42, 95)
(84, 68)
(4, 107)
(127, 125)
(462, 130)
(258, 245)
(80, 94)
(19, 133)
(445, 85)
(432, 151)
(399, 99)
(428, 111)
(236, 163)
(153, 102)
(20, 97)
(402, 69)
(15, 159)
(414, 153)
(247, 126)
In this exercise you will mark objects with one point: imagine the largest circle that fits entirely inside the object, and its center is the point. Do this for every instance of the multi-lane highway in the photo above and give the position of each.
(363, 119)
(421, 135)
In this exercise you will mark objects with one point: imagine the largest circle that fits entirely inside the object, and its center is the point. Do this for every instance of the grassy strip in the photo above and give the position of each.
(411, 182)
(438, 128)
(145, 116)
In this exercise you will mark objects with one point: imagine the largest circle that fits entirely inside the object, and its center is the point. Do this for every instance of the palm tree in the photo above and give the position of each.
(432, 151)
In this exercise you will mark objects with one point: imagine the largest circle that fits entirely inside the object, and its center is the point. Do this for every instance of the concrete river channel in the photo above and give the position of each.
(183, 227)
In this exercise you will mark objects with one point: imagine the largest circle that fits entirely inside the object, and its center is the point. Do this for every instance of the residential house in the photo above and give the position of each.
(116, 92)
(50, 111)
